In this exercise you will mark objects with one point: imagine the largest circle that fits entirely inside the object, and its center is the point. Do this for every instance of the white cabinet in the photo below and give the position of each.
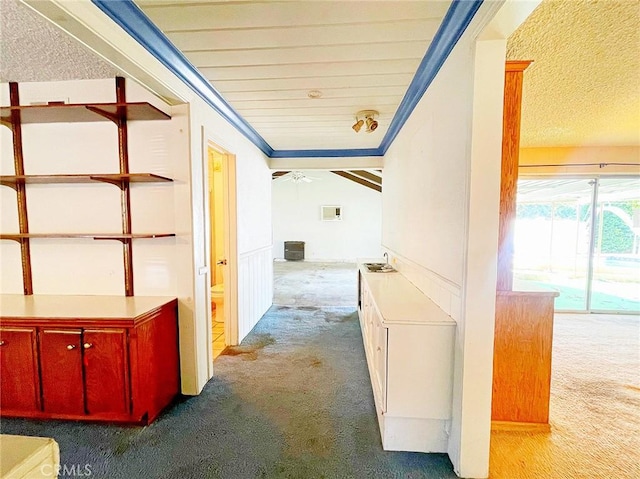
(376, 351)
(408, 341)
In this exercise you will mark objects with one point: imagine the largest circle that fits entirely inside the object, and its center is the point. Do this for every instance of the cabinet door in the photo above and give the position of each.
(369, 343)
(61, 369)
(105, 369)
(364, 323)
(19, 384)
(380, 361)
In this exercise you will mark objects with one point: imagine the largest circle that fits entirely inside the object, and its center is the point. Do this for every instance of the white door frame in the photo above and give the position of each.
(230, 242)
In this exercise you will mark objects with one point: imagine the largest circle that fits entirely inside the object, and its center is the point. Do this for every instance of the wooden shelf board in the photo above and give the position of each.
(106, 236)
(83, 178)
(79, 113)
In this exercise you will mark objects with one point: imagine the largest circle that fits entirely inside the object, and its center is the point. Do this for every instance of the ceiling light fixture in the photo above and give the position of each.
(357, 125)
(368, 117)
(299, 176)
(313, 94)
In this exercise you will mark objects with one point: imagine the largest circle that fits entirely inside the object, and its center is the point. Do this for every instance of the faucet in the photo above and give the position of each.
(386, 255)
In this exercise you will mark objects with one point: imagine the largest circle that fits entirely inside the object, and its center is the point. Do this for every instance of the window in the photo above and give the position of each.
(581, 237)
(331, 213)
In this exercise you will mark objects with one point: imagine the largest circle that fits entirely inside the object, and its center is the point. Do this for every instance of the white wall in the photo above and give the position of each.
(296, 217)
(333, 163)
(86, 266)
(425, 172)
(440, 218)
(425, 204)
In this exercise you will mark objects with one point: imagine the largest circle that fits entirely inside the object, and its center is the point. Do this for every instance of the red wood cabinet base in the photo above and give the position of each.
(95, 368)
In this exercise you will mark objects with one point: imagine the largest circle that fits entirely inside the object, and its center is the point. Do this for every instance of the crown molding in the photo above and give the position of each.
(133, 20)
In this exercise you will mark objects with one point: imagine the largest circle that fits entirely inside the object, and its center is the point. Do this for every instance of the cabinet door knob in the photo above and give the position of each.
(3, 342)
(71, 346)
(87, 345)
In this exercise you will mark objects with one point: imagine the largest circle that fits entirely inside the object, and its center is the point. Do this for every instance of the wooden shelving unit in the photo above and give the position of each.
(119, 112)
(96, 236)
(12, 180)
(81, 113)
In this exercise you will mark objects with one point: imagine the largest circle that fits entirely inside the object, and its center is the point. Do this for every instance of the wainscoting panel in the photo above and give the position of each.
(255, 291)
(441, 291)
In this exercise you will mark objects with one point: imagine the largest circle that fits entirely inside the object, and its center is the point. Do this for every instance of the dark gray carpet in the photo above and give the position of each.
(293, 401)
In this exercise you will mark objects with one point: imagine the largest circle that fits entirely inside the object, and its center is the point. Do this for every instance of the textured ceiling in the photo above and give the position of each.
(33, 49)
(584, 85)
(265, 57)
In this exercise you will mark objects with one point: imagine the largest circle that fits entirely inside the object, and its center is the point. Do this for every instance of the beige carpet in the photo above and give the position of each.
(594, 410)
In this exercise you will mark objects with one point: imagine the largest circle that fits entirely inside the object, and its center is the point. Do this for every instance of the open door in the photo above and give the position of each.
(220, 242)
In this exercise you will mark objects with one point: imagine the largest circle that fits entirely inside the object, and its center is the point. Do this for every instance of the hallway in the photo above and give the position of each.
(293, 401)
(594, 395)
(305, 283)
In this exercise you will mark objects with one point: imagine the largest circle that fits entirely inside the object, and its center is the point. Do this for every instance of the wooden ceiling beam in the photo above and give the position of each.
(358, 180)
(278, 174)
(368, 176)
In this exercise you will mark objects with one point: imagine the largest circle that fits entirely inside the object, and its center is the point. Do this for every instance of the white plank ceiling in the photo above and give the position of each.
(265, 57)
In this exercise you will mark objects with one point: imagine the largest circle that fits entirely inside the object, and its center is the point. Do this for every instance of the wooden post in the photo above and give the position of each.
(524, 320)
(125, 191)
(21, 191)
(509, 177)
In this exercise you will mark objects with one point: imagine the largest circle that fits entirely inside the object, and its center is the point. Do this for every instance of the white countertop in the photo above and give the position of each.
(399, 302)
(61, 306)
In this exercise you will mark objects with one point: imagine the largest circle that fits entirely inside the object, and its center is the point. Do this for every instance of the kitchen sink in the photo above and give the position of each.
(379, 268)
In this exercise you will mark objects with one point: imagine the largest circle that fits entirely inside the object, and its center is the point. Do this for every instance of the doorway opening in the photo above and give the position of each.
(221, 249)
(217, 256)
(581, 237)
(322, 222)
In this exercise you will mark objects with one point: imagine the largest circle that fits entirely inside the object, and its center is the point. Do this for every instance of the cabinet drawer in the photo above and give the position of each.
(19, 382)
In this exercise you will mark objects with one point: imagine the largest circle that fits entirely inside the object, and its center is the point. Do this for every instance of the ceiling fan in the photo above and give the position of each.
(298, 177)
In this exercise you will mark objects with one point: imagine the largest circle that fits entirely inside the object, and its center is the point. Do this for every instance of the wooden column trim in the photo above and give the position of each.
(514, 72)
(21, 191)
(517, 65)
(125, 191)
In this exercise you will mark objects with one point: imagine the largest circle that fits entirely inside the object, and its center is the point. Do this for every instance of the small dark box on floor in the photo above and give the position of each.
(294, 250)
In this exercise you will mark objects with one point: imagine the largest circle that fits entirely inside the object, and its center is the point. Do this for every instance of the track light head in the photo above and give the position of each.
(368, 117)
